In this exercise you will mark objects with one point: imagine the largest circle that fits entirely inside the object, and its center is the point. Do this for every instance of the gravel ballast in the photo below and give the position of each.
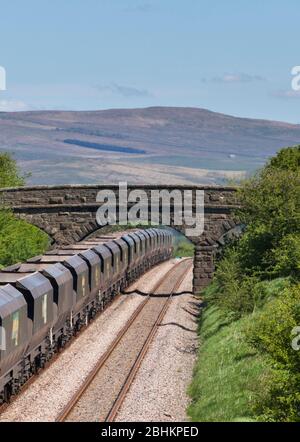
(158, 393)
(102, 392)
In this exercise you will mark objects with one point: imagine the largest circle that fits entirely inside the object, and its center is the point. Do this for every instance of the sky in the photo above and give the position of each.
(232, 56)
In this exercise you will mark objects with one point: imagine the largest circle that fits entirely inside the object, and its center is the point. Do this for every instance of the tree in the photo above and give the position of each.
(271, 210)
(286, 159)
(19, 240)
(10, 175)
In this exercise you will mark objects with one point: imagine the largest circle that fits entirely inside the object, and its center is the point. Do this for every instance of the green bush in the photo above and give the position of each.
(9, 172)
(254, 249)
(286, 159)
(184, 248)
(272, 198)
(19, 240)
(240, 294)
(271, 210)
(287, 256)
(272, 330)
(228, 278)
(273, 333)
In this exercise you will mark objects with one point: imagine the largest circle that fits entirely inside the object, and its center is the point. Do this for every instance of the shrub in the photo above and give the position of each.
(272, 329)
(237, 293)
(9, 172)
(272, 334)
(184, 248)
(228, 279)
(19, 240)
(271, 211)
(287, 256)
(254, 250)
(272, 199)
(286, 159)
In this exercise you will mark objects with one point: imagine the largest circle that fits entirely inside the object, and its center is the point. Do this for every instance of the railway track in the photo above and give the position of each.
(52, 361)
(103, 391)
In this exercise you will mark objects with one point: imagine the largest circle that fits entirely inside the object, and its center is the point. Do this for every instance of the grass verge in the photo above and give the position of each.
(229, 373)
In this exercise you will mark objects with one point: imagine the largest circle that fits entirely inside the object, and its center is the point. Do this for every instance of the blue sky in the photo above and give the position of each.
(232, 56)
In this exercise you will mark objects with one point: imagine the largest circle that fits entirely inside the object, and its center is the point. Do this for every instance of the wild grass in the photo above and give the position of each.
(229, 373)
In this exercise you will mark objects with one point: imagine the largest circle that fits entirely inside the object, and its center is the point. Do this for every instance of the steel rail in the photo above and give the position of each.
(62, 416)
(135, 367)
(54, 358)
(48, 364)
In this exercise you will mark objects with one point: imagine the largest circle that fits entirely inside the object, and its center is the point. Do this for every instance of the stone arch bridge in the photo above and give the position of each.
(68, 214)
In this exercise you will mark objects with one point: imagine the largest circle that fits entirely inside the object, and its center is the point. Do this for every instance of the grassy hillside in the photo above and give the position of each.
(228, 373)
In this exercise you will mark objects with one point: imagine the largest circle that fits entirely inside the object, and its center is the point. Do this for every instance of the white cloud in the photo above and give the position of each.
(13, 106)
(2, 79)
(235, 78)
(124, 91)
(287, 94)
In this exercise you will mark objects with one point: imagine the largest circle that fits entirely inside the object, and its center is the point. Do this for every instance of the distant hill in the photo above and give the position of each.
(157, 144)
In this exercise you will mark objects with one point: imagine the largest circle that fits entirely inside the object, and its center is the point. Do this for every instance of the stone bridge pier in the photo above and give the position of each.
(68, 214)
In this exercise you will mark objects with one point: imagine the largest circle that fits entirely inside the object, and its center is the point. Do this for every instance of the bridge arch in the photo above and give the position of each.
(68, 215)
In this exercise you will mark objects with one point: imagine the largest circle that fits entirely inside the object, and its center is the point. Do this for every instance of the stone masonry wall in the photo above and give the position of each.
(68, 214)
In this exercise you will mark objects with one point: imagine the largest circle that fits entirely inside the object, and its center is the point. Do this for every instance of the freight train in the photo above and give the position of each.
(45, 301)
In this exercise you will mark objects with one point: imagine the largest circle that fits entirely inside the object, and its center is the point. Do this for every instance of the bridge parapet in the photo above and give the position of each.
(86, 194)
